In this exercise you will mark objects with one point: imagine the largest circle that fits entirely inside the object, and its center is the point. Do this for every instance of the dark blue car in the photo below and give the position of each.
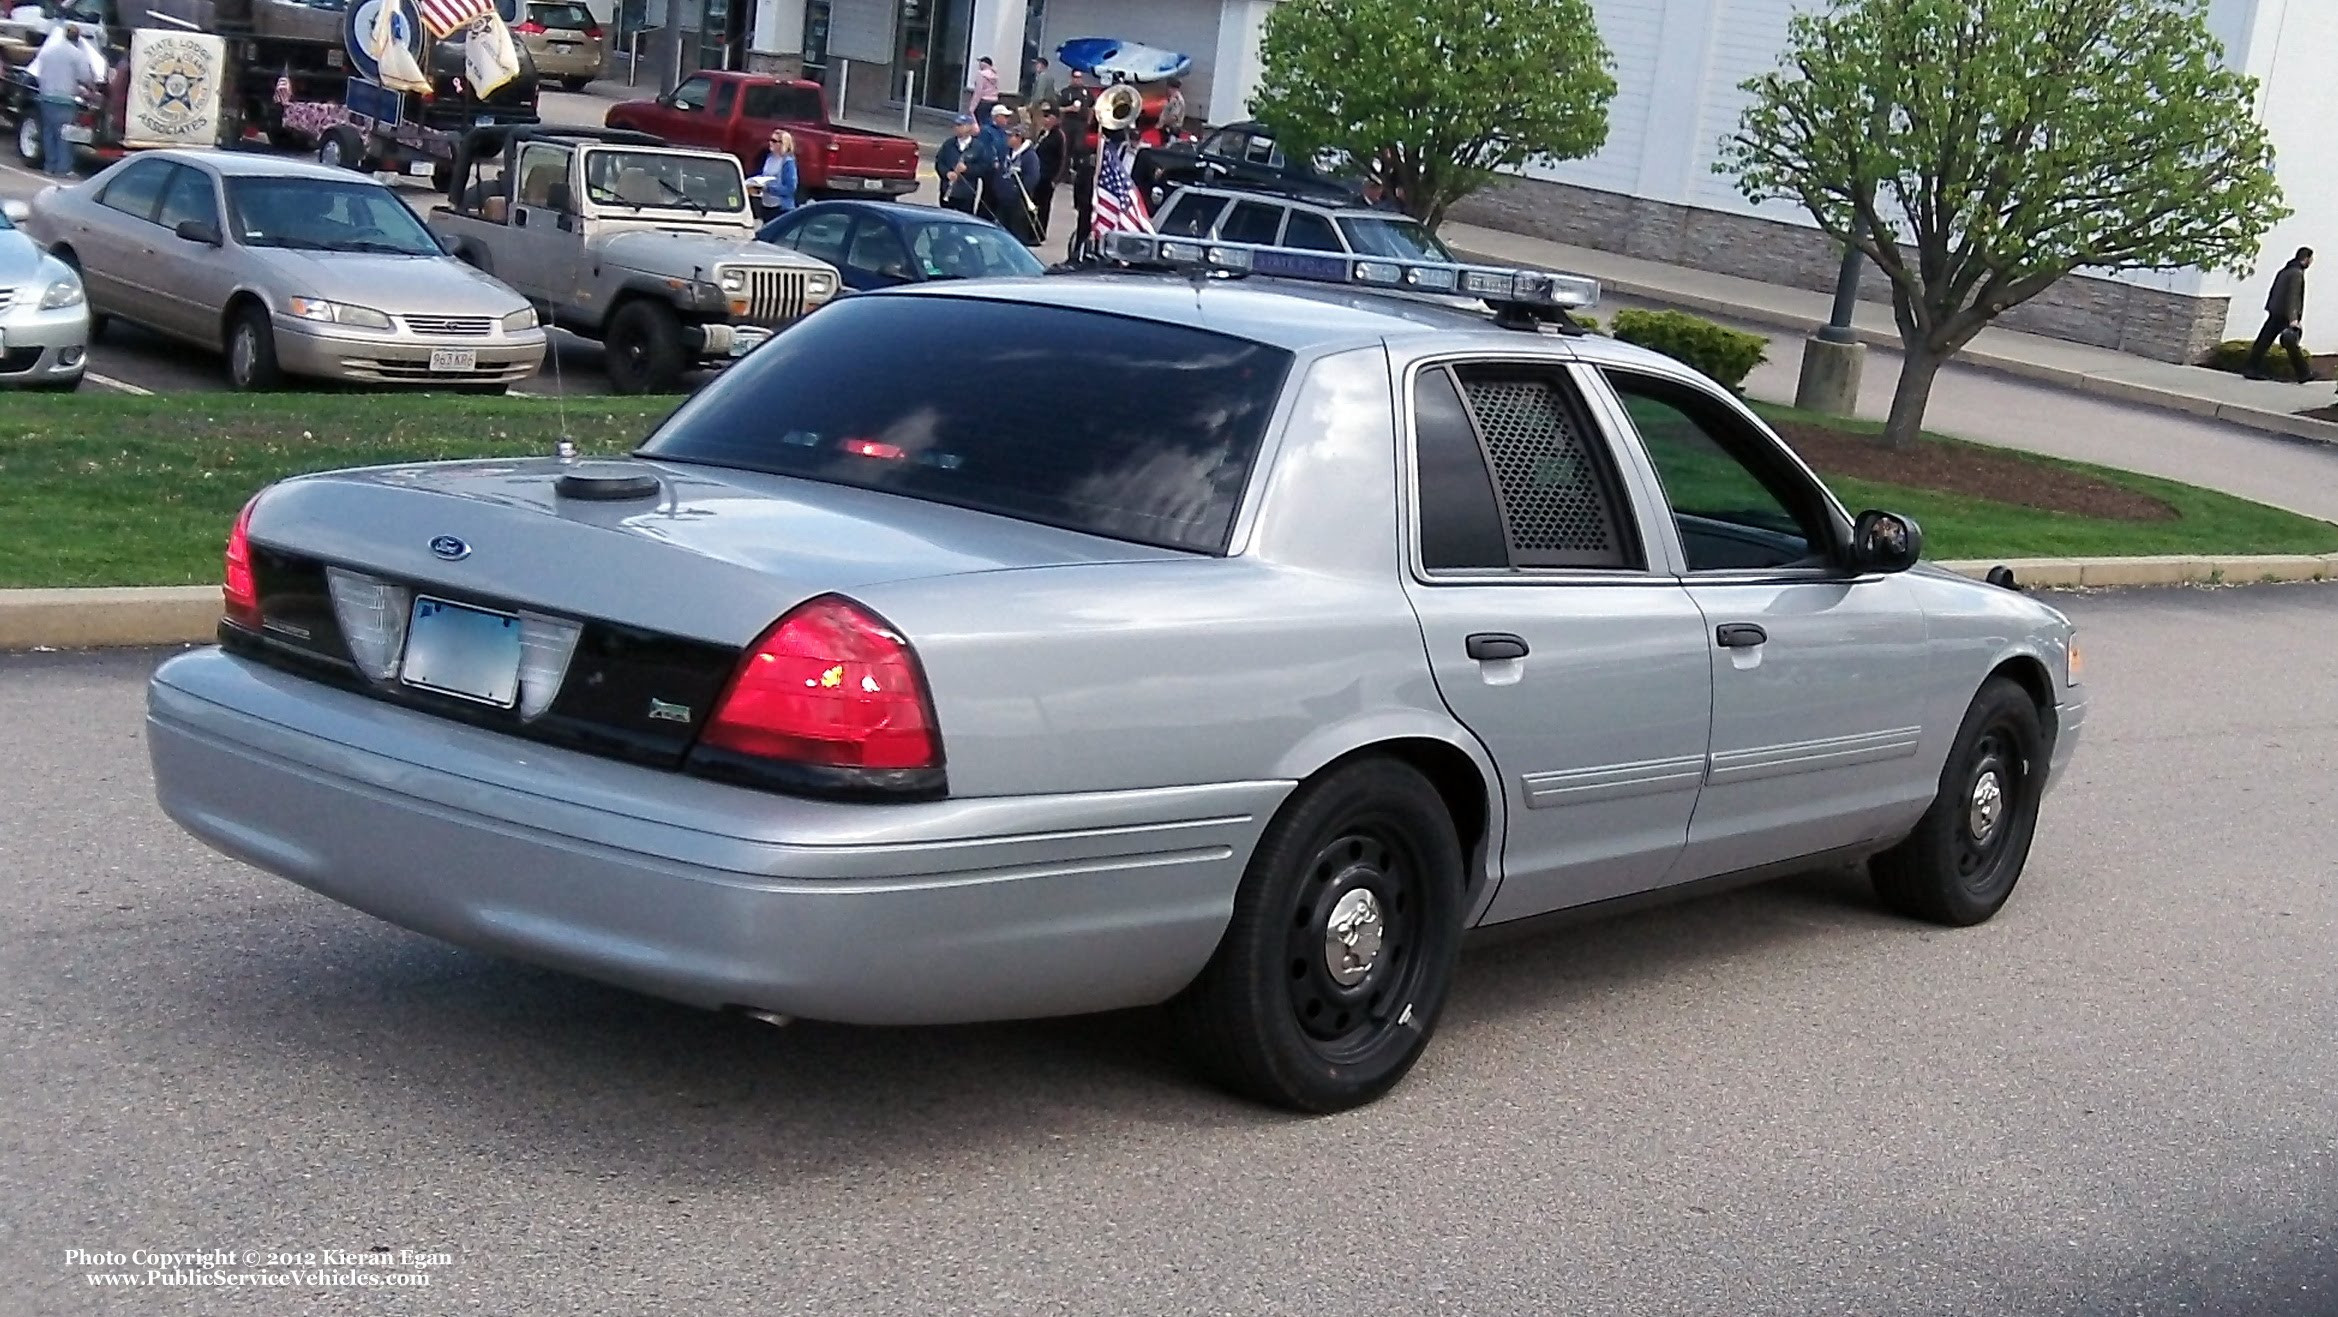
(877, 244)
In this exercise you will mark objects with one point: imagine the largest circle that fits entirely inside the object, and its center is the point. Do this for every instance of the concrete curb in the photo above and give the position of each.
(89, 619)
(2101, 386)
(189, 614)
(2169, 569)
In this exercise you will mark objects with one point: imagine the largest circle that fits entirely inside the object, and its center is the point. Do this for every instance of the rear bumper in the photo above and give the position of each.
(942, 912)
(846, 183)
(404, 358)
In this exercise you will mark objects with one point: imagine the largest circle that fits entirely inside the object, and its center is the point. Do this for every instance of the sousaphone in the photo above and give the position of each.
(1117, 107)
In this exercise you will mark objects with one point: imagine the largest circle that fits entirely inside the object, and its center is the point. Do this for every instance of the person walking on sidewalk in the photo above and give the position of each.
(2285, 314)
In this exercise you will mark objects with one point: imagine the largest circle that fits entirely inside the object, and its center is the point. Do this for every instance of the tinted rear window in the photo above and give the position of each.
(1117, 427)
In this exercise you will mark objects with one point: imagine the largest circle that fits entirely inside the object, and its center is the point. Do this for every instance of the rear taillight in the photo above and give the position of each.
(592, 31)
(831, 686)
(241, 594)
(531, 28)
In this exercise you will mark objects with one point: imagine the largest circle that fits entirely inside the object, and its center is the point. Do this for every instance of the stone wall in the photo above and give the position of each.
(2100, 312)
(788, 65)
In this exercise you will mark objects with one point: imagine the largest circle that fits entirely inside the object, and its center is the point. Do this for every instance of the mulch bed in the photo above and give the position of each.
(1999, 476)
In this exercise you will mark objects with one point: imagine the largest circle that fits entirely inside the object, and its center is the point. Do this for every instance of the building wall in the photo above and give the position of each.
(2294, 55)
(1651, 190)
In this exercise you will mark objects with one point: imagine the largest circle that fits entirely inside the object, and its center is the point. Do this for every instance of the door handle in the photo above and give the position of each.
(1494, 646)
(1739, 635)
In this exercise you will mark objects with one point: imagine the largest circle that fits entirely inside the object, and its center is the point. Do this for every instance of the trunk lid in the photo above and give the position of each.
(714, 556)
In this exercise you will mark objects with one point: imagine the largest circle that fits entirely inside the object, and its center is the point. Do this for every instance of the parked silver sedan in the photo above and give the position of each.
(1338, 624)
(44, 316)
(289, 268)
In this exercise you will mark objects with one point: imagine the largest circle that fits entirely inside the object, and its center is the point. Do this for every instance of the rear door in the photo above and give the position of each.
(1554, 636)
(112, 239)
(1818, 671)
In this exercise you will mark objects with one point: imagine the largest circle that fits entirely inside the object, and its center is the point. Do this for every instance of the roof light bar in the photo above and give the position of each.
(1493, 283)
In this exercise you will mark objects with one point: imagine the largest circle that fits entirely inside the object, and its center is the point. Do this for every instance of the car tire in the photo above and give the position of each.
(1289, 1012)
(251, 353)
(575, 84)
(1961, 863)
(644, 346)
(28, 139)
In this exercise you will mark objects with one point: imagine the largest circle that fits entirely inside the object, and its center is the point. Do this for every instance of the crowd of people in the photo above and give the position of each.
(1007, 165)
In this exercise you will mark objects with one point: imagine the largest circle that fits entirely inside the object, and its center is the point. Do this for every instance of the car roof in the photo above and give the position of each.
(1289, 314)
(1287, 197)
(896, 209)
(253, 164)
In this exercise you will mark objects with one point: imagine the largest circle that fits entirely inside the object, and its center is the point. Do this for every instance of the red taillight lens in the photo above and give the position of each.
(833, 685)
(241, 595)
(592, 31)
(531, 27)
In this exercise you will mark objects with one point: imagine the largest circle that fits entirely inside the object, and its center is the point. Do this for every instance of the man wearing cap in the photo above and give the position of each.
(1018, 206)
(962, 163)
(994, 136)
(1054, 151)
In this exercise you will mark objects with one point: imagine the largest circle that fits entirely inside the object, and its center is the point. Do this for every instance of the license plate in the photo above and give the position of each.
(77, 134)
(562, 47)
(419, 168)
(747, 338)
(449, 360)
(456, 649)
(485, 121)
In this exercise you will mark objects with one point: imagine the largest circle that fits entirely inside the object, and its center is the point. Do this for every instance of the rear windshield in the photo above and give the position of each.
(1123, 428)
(562, 17)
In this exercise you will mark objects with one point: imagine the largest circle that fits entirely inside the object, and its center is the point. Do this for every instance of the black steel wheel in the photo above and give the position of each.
(1961, 863)
(644, 348)
(1337, 962)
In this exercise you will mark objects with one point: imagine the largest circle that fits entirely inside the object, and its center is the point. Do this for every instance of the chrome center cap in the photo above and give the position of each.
(1988, 806)
(1351, 938)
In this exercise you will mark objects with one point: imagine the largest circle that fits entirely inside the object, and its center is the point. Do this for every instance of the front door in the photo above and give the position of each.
(1581, 670)
(542, 259)
(1818, 672)
(193, 280)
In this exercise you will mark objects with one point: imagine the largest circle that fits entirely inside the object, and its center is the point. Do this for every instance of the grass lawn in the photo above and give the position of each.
(105, 489)
(1963, 525)
(110, 490)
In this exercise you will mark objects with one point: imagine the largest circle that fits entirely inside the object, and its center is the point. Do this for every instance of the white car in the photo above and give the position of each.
(44, 315)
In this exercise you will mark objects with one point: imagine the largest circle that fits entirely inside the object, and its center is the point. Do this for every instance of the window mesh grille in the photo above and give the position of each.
(1552, 489)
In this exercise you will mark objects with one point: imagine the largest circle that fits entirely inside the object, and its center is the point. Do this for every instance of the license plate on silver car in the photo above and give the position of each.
(456, 649)
(77, 134)
(451, 360)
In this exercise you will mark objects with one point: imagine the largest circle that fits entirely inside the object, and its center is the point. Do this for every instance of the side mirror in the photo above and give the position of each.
(16, 211)
(202, 231)
(1885, 542)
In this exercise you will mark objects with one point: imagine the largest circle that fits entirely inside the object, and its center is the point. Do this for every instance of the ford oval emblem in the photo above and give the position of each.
(450, 548)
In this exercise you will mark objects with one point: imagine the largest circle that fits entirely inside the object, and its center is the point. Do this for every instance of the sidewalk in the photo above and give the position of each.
(2211, 394)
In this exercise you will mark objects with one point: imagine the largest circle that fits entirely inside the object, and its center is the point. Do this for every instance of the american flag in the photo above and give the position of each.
(445, 16)
(1118, 207)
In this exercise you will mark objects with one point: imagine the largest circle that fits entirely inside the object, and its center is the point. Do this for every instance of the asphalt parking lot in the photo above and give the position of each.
(2117, 1098)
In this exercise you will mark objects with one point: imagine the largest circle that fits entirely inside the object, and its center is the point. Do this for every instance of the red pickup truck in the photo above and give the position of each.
(736, 112)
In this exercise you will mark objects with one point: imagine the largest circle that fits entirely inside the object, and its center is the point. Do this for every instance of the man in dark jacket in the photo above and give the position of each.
(2285, 313)
(1054, 151)
(963, 163)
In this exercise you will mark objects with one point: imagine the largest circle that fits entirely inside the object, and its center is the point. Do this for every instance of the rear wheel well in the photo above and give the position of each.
(1458, 783)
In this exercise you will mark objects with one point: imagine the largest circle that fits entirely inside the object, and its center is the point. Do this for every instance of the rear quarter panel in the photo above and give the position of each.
(1266, 664)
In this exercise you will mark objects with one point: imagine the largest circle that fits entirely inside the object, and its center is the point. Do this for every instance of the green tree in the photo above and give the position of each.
(1979, 150)
(1447, 92)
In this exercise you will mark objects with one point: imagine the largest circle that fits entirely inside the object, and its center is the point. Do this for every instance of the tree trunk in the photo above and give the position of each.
(1917, 370)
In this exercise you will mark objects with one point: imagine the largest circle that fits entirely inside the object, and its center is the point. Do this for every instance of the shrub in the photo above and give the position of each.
(1718, 351)
(2233, 355)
